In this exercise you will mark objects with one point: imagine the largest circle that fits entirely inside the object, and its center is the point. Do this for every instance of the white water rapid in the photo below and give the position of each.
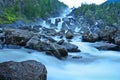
(95, 64)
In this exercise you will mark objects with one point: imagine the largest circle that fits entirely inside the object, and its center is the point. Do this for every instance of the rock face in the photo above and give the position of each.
(27, 70)
(17, 36)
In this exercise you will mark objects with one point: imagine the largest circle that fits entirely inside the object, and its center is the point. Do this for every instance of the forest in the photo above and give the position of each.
(108, 12)
(11, 10)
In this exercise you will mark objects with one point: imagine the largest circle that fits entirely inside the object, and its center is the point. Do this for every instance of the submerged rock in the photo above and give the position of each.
(105, 46)
(27, 70)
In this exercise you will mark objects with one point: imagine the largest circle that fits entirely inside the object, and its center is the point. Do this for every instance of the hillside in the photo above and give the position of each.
(108, 12)
(11, 10)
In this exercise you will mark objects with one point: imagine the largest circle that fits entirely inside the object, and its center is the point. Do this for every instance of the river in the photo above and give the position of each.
(95, 64)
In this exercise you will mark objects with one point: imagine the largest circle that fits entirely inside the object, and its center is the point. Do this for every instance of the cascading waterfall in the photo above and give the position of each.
(94, 64)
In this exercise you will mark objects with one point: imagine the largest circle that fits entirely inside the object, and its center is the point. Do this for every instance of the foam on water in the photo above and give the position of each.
(103, 69)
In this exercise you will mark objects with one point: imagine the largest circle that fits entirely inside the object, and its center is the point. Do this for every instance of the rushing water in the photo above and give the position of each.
(105, 66)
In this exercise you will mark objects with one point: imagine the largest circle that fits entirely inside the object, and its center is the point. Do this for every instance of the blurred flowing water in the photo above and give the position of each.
(106, 65)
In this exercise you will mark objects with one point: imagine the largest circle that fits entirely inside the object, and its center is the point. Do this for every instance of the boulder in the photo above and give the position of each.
(117, 37)
(107, 33)
(33, 43)
(69, 34)
(27, 70)
(70, 47)
(49, 32)
(17, 36)
(90, 37)
(57, 20)
(105, 46)
(117, 40)
(50, 48)
(60, 42)
(55, 49)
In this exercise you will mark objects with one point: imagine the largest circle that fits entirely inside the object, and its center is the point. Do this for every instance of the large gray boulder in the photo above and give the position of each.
(27, 70)
(47, 46)
(17, 36)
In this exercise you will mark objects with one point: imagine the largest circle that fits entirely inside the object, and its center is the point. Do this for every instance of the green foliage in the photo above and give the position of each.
(108, 12)
(7, 17)
(28, 9)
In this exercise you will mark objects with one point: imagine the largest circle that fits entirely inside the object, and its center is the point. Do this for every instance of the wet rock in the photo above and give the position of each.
(69, 34)
(117, 37)
(55, 49)
(27, 70)
(117, 40)
(17, 36)
(61, 33)
(57, 20)
(70, 47)
(50, 48)
(76, 57)
(49, 32)
(1, 30)
(2, 40)
(33, 43)
(64, 26)
(105, 46)
(107, 33)
(51, 39)
(60, 42)
(90, 37)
